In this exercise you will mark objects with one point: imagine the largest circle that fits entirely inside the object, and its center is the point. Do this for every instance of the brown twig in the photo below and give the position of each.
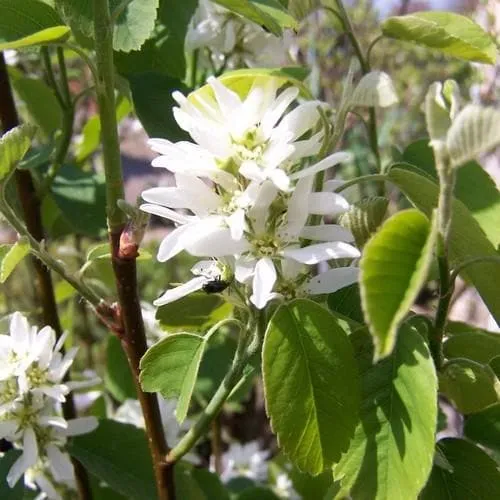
(30, 205)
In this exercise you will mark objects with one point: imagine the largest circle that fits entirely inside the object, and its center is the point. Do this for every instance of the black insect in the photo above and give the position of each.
(217, 285)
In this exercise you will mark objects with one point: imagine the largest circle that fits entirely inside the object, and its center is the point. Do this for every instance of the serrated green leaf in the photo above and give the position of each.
(196, 313)
(450, 33)
(473, 187)
(117, 377)
(484, 427)
(393, 268)
(467, 240)
(475, 475)
(171, 366)
(117, 454)
(311, 384)
(480, 346)
(364, 218)
(42, 107)
(268, 13)
(13, 257)
(374, 89)
(473, 132)
(14, 144)
(469, 385)
(391, 453)
(29, 22)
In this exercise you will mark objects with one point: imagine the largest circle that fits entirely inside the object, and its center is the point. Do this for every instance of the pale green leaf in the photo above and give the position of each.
(393, 268)
(117, 454)
(29, 22)
(437, 114)
(450, 33)
(171, 366)
(375, 89)
(391, 454)
(480, 346)
(13, 257)
(475, 475)
(469, 385)
(268, 13)
(473, 132)
(311, 384)
(364, 218)
(14, 144)
(467, 240)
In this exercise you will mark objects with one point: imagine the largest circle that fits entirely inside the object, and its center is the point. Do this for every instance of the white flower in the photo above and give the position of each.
(246, 460)
(254, 134)
(284, 487)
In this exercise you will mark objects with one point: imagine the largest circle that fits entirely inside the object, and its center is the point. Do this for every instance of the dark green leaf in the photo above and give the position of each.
(484, 427)
(347, 301)
(268, 13)
(29, 22)
(450, 33)
(393, 268)
(475, 475)
(311, 384)
(469, 385)
(153, 102)
(196, 313)
(258, 492)
(117, 378)
(391, 454)
(117, 454)
(467, 240)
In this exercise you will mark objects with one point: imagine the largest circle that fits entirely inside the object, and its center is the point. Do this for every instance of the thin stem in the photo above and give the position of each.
(219, 398)
(45, 290)
(370, 48)
(194, 68)
(363, 178)
(471, 262)
(88, 61)
(132, 334)
(217, 445)
(50, 75)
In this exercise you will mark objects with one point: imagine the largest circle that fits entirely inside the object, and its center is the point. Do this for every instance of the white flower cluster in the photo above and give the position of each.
(250, 461)
(230, 41)
(254, 213)
(32, 387)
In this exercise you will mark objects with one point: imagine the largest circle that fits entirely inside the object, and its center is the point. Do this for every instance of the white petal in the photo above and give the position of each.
(322, 251)
(43, 346)
(60, 464)
(207, 268)
(277, 109)
(329, 161)
(178, 292)
(26, 460)
(252, 171)
(279, 179)
(57, 392)
(7, 429)
(20, 330)
(332, 280)
(298, 213)
(52, 420)
(82, 425)
(237, 224)
(217, 243)
(244, 269)
(47, 488)
(291, 268)
(332, 184)
(307, 147)
(167, 213)
(299, 121)
(327, 232)
(263, 282)
(327, 204)
(228, 101)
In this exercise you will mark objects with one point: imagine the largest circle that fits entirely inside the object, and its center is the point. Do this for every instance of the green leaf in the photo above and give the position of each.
(81, 199)
(311, 384)
(192, 483)
(117, 454)
(171, 366)
(467, 240)
(163, 52)
(364, 218)
(257, 492)
(13, 257)
(300, 9)
(473, 132)
(347, 301)
(374, 89)
(42, 107)
(484, 427)
(473, 187)
(475, 475)
(469, 385)
(450, 33)
(153, 102)
(268, 13)
(6, 492)
(14, 144)
(196, 313)
(391, 454)
(393, 268)
(117, 377)
(28, 23)
(480, 346)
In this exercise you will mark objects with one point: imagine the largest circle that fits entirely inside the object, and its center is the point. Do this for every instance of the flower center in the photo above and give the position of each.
(266, 246)
(8, 390)
(249, 146)
(36, 376)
